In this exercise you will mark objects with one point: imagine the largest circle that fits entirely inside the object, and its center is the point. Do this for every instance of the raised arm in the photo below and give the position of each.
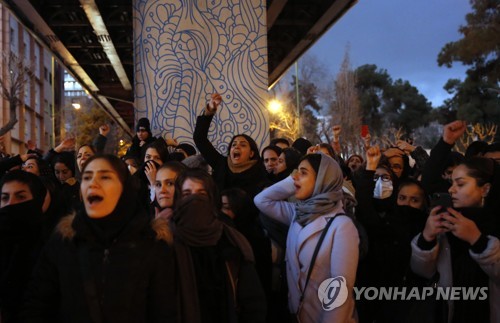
(436, 164)
(272, 201)
(200, 135)
(100, 140)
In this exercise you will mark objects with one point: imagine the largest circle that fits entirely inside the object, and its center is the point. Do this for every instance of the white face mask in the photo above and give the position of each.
(382, 189)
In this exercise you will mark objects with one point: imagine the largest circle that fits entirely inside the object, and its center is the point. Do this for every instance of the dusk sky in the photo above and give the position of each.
(403, 36)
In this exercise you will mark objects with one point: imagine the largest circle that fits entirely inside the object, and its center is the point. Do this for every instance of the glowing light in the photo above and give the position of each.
(275, 106)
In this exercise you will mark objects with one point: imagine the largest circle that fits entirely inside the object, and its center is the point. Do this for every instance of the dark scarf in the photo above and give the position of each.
(20, 246)
(21, 222)
(195, 225)
(466, 271)
(106, 229)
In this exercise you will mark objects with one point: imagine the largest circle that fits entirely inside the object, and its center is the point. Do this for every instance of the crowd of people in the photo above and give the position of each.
(176, 233)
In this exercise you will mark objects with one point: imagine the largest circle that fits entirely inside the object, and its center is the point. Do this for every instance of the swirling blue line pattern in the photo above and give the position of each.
(185, 50)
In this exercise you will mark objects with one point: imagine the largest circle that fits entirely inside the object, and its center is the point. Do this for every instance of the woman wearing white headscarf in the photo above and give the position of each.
(324, 292)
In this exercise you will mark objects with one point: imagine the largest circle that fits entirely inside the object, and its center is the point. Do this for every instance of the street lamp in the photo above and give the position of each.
(275, 106)
(76, 104)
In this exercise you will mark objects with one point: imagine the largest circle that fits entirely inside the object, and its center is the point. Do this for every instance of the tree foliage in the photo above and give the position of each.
(405, 107)
(311, 90)
(86, 127)
(477, 98)
(389, 104)
(479, 48)
(371, 84)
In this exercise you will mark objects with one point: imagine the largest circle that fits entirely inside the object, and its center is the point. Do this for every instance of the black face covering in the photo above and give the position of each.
(413, 219)
(21, 221)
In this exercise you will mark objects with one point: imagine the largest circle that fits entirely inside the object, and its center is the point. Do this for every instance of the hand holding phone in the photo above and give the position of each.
(442, 199)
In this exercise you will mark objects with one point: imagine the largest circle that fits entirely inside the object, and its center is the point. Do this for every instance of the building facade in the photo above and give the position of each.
(41, 95)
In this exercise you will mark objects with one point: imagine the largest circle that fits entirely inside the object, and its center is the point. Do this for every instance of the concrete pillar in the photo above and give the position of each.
(187, 49)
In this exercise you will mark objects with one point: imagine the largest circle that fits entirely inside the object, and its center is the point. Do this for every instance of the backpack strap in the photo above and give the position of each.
(315, 254)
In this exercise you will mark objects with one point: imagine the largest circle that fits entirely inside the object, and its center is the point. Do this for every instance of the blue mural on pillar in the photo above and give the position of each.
(185, 50)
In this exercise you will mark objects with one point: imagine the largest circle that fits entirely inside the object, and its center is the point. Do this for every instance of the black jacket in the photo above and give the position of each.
(133, 277)
(20, 245)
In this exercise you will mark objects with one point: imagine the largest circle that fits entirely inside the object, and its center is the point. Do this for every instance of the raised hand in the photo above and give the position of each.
(31, 145)
(454, 130)
(405, 146)
(104, 130)
(171, 142)
(367, 141)
(214, 103)
(312, 150)
(150, 171)
(372, 157)
(67, 144)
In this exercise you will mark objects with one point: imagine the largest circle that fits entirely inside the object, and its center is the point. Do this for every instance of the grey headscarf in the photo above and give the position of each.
(327, 195)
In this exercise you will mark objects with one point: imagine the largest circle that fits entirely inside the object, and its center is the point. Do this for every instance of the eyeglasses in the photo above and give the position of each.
(385, 178)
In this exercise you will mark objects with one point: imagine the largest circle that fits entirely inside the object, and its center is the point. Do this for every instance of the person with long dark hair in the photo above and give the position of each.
(460, 244)
(165, 188)
(242, 167)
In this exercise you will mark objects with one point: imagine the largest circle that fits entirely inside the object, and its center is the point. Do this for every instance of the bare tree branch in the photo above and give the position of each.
(12, 82)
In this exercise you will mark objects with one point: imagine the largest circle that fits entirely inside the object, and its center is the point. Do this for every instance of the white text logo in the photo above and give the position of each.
(420, 294)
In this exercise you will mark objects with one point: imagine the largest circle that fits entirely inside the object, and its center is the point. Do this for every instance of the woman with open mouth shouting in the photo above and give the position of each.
(322, 243)
(242, 168)
(107, 263)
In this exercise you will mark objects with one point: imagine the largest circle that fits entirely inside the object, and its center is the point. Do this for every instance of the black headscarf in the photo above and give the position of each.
(107, 228)
(195, 225)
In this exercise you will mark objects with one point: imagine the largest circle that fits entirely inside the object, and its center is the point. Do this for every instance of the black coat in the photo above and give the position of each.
(20, 245)
(133, 278)
(390, 229)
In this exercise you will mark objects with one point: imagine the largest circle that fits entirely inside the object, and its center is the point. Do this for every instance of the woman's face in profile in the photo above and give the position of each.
(281, 166)
(304, 179)
(464, 190)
